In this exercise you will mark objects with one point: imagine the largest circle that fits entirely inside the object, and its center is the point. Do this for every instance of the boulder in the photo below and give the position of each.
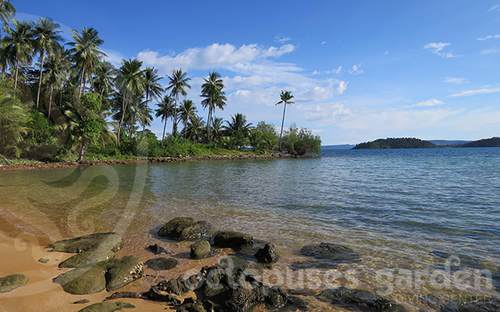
(88, 257)
(234, 240)
(201, 249)
(191, 306)
(11, 282)
(329, 251)
(360, 300)
(122, 272)
(111, 241)
(268, 254)
(162, 263)
(157, 249)
(83, 281)
(43, 260)
(107, 307)
(173, 228)
(479, 305)
(198, 230)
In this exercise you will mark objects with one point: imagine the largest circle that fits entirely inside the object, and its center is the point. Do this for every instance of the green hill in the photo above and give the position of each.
(492, 142)
(395, 143)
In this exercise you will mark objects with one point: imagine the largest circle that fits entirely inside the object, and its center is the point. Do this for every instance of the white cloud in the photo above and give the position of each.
(356, 70)
(455, 80)
(323, 42)
(438, 48)
(430, 103)
(282, 39)
(338, 70)
(490, 51)
(473, 92)
(324, 113)
(113, 57)
(494, 8)
(342, 87)
(489, 37)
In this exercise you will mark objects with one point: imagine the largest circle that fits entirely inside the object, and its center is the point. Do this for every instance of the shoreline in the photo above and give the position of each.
(35, 165)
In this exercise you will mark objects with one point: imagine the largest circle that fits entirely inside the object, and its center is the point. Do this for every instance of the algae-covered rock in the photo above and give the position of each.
(359, 299)
(198, 230)
(83, 281)
(161, 263)
(329, 251)
(111, 241)
(11, 282)
(173, 228)
(107, 307)
(234, 240)
(122, 272)
(88, 257)
(268, 254)
(201, 249)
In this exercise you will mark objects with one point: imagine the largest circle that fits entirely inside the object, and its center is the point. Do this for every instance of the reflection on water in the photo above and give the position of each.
(399, 209)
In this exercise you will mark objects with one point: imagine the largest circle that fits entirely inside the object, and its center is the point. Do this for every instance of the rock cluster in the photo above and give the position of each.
(184, 228)
(360, 300)
(11, 282)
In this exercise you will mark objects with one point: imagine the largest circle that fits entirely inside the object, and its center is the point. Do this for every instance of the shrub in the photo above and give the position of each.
(264, 137)
(13, 125)
(301, 142)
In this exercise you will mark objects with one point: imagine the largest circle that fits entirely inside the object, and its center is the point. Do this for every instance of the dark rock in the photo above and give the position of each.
(198, 230)
(162, 263)
(88, 257)
(83, 301)
(83, 281)
(191, 306)
(201, 249)
(359, 299)
(111, 241)
(329, 251)
(122, 272)
(43, 260)
(157, 249)
(173, 228)
(234, 240)
(268, 254)
(11, 282)
(479, 305)
(107, 307)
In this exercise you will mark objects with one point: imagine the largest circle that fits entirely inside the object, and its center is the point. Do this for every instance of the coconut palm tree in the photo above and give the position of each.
(130, 83)
(7, 11)
(212, 90)
(286, 98)
(152, 86)
(46, 36)
(19, 44)
(57, 71)
(165, 110)
(103, 81)
(238, 129)
(187, 111)
(195, 128)
(217, 129)
(178, 85)
(86, 53)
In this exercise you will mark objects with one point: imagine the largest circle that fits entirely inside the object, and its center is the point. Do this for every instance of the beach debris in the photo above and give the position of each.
(158, 250)
(329, 251)
(201, 249)
(11, 282)
(122, 272)
(161, 263)
(268, 254)
(231, 239)
(107, 307)
(43, 260)
(359, 299)
(184, 228)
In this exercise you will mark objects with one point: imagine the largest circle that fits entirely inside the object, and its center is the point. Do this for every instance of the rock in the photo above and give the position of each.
(234, 240)
(162, 263)
(329, 251)
(122, 272)
(173, 228)
(83, 301)
(88, 257)
(201, 249)
(111, 241)
(479, 305)
(43, 260)
(191, 306)
(11, 282)
(83, 281)
(359, 299)
(268, 254)
(157, 249)
(107, 307)
(198, 230)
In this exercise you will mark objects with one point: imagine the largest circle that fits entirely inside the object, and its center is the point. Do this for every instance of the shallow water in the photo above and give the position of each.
(407, 209)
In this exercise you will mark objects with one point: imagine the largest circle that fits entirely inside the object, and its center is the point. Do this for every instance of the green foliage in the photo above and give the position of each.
(13, 124)
(39, 130)
(395, 143)
(264, 137)
(301, 142)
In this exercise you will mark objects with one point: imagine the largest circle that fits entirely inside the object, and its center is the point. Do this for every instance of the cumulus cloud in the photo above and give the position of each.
(473, 92)
(356, 70)
(113, 57)
(324, 113)
(439, 48)
(430, 103)
(455, 80)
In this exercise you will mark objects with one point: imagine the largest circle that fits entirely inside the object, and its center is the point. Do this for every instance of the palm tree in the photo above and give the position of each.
(165, 110)
(19, 44)
(239, 129)
(195, 128)
(86, 53)
(56, 73)
(286, 98)
(212, 90)
(7, 11)
(187, 111)
(178, 85)
(130, 82)
(217, 129)
(46, 36)
(103, 79)
(152, 86)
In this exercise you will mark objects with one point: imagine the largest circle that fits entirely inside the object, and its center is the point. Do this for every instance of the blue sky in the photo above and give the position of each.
(359, 69)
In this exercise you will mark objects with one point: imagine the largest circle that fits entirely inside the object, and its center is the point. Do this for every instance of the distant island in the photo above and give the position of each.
(393, 143)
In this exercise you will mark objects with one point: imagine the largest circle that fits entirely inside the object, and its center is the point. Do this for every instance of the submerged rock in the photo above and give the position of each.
(480, 305)
(122, 272)
(329, 251)
(173, 228)
(268, 254)
(83, 281)
(162, 263)
(11, 282)
(359, 299)
(198, 230)
(201, 249)
(157, 249)
(111, 241)
(231, 239)
(107, 307)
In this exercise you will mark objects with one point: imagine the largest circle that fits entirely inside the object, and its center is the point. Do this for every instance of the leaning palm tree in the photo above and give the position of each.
(212, 92)
(152, 85)
(130, 83)
(46, 36)
(178, 85)
(86, 53)
(286, 98)
(165, 110)
(7, 11)
(187, 111)
(19, 44)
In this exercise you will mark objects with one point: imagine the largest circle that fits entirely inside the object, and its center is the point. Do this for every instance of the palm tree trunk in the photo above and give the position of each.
(15, 77)
(42, 58)
(82, 151)
(209, 119)
(122, 117)
(82, 83)
(174, 116)
(50, 101)
(282, 123)
(164, 128)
